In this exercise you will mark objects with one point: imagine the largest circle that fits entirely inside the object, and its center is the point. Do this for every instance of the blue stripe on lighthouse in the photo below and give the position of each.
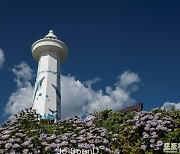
(39, 85)
(57, 91)
(49, 71)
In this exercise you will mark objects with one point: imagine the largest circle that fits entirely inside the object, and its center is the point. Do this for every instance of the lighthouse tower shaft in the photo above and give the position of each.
(49, 51)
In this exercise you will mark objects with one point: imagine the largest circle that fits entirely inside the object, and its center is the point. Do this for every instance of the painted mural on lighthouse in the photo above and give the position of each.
(49, 52)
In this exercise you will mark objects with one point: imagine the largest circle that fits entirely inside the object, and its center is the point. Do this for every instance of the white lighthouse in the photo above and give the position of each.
(49, 52)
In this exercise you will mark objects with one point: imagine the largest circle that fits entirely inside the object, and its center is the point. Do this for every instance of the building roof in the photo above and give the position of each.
(135, 108)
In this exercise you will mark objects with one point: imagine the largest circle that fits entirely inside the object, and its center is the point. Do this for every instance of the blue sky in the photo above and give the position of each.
(105, 39)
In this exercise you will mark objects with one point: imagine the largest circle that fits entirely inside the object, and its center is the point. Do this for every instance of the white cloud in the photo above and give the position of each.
(19, 100)
(127, 79)
(2, 58)
(23, 74)
(169, 106)
(78, 97)
(91, 82)
(22, 97)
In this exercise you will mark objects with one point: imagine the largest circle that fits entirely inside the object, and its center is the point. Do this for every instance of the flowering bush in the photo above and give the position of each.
(140, 132)
(144, 132)
(26, 133)
(151, 129)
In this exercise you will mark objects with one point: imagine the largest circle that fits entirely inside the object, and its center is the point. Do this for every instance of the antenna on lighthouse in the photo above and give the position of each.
(49, 52)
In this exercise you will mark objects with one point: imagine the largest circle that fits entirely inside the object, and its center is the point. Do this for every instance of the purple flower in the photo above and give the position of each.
(164, 128)
(64, 137)
(26, 143)
(20, 134)
(11, 140)
(30, 146)
(1, 150)
(89, 134)
(53, 145)
(48, 148)
(74, 125)
(1, 128)
(145, 136)
(129, 120)
(115, 135)
(17, 139)
(80, 138)
(73, 141)
(80, 145)
(82, 131)
(86, 146)
(150, 117)
(153, 133)
(144, 118)
(152, 145)
(105, 141)
(92, 146)
(158, 114)
(64, 143)
(58, 145)
(153, 123)
(5, 137)
(102, 147)
(136, 126)
(48, 138)
(143, 146)
(57, 140)
(102, 134)
(8, 145)
(97, 141)
(159, 121)
(159, 143)
(159, 127)
(156, 117)
(114, 139)
(163, 123)
(25, 151)
(154, 136)
(156, 148)
(144, 133)
(143, 112)
(77, 121)
(74, 135)
(6, 132)
(152, 129)
(132, 131)
(44, 143)
(142, 123)
(136, 118)
(152, 140)
(56, 150)
(15, 146)
(168, 122)
(107, 150)
(116, 151)
(148, 122)
(91, 141)
(53, 137)
(147, 127)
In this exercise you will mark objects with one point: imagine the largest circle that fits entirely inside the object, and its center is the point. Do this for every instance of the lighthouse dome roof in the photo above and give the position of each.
(51, 35)
(50, 43)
